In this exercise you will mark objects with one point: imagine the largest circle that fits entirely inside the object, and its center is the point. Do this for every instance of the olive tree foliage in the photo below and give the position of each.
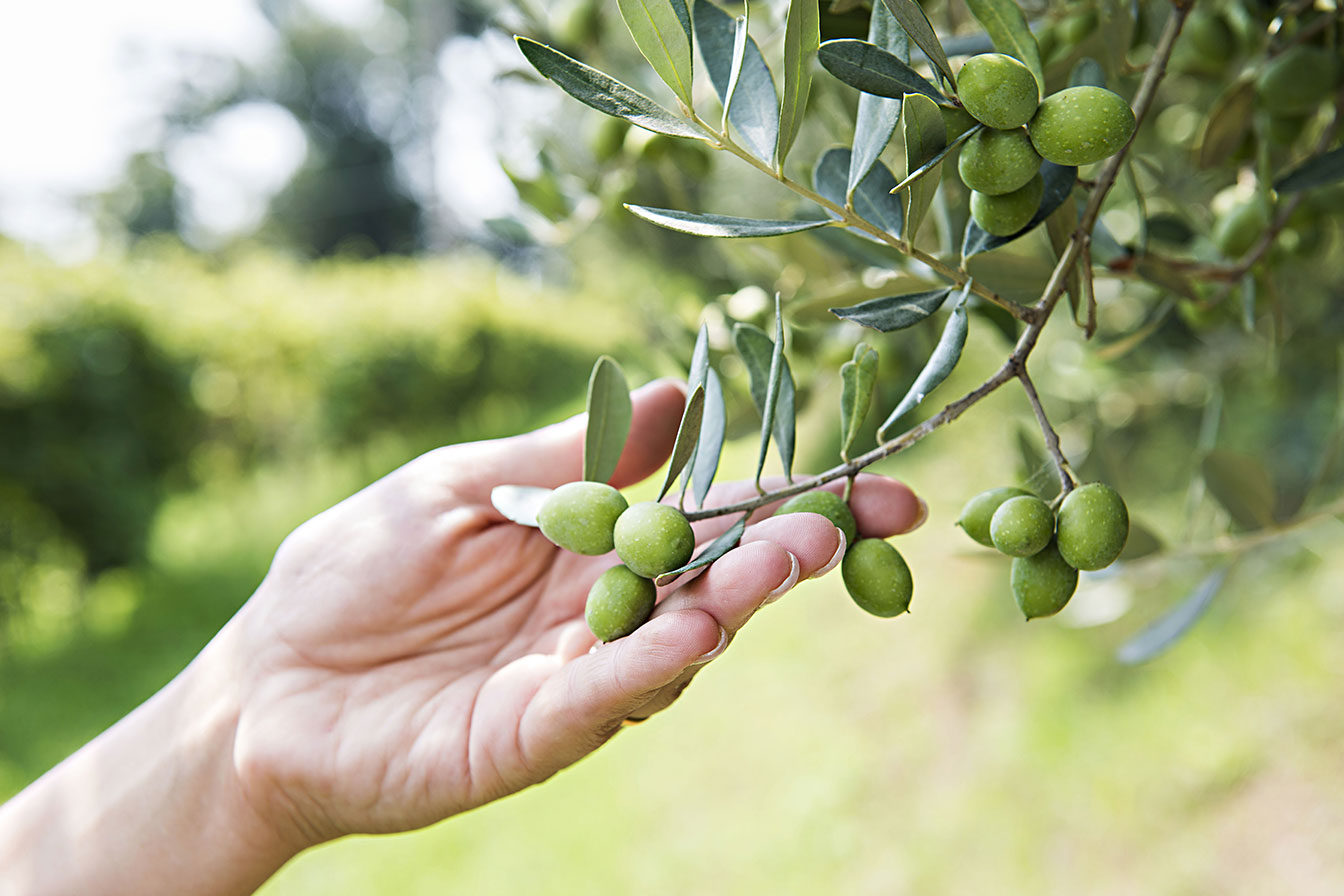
(1187, 282)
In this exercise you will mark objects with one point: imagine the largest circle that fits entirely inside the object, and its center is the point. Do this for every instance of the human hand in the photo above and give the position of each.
(411, 654)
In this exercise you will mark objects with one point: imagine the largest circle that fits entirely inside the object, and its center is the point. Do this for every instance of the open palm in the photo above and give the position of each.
(412, 654)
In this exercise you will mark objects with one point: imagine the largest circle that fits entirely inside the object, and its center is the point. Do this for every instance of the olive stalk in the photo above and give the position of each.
(1036, 316)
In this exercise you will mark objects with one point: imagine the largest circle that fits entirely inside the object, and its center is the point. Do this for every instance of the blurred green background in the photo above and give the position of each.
(179, 394)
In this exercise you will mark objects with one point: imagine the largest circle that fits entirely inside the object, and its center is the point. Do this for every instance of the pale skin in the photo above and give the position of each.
(410, 655)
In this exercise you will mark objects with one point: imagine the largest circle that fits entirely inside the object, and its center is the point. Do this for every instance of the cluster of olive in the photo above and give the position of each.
(593, 518)
(875, 574)
(1001, 162)
(652, 539)
(1049, 548)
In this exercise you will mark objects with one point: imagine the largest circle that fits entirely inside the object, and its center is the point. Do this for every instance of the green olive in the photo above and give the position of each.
(618, 603)
(1005, 215)
(1022, 526)
(829, 505)
(1042, 583)
(580, 516)
(997, 162)
(977, 513)
(1092, 527)
(998, 90)
(1296, 81)
(653, 538)
(957, 121)
(1081, 125)
(1241, 228)
(877, 578)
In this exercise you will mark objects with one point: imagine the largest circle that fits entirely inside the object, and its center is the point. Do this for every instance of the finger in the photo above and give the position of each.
(748, 577)
(553, 455)
(581, 706)
(882, 506)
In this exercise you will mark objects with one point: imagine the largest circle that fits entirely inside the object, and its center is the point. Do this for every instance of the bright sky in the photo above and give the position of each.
(82, 83)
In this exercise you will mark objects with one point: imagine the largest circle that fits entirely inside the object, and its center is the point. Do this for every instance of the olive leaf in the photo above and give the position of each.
(802, 35)
(858, 377)
(872, 200)
(870, 68)
(876, 119)
(519, 503)
(1167, 630)
(911, 18)
(688, 435)
(1228, 124)
(697, 375)
(1242, 485)
(932, 164)
(1007, 28)
(895, 312)
(710, 446)
(778, 414)
(740, 77)
(609, 412)
(925, 135)
(716, 549)
(1318, 171)
(1059, 181)
(757, 352)
(662, 31)
(721, 225)
(1060, 227)
(945, 356)
(604, 93)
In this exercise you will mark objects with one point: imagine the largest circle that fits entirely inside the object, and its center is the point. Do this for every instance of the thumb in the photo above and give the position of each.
(553, 455)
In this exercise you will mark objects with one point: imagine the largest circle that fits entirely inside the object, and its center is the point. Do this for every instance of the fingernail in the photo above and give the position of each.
(919, 520)
(835, 560)
(789, 581)
(718, 649)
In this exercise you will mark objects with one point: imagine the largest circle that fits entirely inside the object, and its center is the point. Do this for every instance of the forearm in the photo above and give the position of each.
(151, 806)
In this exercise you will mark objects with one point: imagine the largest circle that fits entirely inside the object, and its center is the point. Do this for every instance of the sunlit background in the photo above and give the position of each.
(257, 253)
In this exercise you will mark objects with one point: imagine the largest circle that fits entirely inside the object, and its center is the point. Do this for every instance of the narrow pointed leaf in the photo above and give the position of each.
(604, 93)
(1165, 632)
(925, 135)
(688, 434)
(712, 431)
(895, 312)
(716, 549)
(1059, 181)
(872, 201)
(802, 35)
(609, 412)
(519, 503)
(753, 107)
(721, 225)
(872, 69)
(1007, 28)
(945, 356)
(1317, 171)
(699, 371)
(1060, 227)
(857, 379)
(877, 116)
(1242, 485)
(1227, 125)
(757, 350)
(932, 164)
(735, 73)
(911, 17)
(781, 413)
(662, 31)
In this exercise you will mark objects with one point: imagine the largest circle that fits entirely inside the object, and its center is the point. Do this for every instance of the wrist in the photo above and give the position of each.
(153, 805)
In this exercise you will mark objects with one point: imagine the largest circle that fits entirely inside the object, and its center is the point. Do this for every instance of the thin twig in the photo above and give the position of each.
(1067, 480)
(1036, 316)
(849, 218)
